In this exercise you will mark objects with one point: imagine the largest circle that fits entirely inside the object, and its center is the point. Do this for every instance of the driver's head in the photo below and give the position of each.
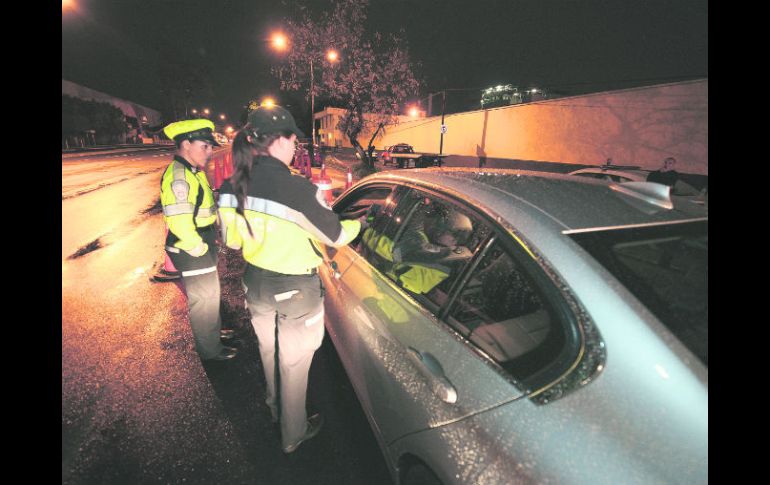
(453, 229)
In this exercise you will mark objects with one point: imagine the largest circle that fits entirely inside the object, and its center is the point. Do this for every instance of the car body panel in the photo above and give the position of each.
(378, 333)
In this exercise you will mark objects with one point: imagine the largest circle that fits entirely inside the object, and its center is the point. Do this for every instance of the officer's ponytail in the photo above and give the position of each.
(246, 145)
(243, 159)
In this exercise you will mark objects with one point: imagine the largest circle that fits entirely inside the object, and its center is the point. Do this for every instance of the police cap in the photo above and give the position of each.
(191, 130)
(273, 119)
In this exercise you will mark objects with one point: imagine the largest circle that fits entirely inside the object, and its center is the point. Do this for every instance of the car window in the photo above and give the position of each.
(666, 268)
(368, 202)
(434, 239)
(501, 311)
(374, 244)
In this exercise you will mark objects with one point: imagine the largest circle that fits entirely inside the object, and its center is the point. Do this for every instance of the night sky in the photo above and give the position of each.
(568, 46)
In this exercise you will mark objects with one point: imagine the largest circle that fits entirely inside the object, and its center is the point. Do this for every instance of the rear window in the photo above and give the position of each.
(666, 268)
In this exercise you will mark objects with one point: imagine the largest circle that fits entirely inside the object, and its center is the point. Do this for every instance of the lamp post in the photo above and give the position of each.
(280, 42)
(331, 56)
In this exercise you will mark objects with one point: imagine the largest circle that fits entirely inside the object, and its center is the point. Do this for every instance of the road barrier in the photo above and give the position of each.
(324, 183)
(222, 167)
(168, 271)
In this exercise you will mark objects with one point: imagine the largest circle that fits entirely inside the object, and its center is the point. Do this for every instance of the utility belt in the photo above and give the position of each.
(205, 232)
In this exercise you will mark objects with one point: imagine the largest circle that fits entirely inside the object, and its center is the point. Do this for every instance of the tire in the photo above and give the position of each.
(420, 475)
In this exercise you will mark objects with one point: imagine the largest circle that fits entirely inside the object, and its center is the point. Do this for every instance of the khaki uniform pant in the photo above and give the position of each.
(288, 310)
(201, 284)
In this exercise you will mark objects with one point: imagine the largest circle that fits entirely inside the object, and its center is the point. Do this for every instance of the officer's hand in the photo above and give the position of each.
(199, 250)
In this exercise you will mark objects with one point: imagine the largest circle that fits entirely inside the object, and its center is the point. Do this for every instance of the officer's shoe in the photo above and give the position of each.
(226, 353)
(314, 424)
(227, 334)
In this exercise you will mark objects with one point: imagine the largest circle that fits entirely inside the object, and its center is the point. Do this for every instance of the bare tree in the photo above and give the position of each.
(372, 80)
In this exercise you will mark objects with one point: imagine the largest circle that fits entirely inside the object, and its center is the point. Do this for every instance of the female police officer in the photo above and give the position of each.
(189, 211)
(278, 219)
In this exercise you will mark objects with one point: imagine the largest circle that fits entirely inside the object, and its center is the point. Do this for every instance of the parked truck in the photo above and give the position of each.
(403, 154)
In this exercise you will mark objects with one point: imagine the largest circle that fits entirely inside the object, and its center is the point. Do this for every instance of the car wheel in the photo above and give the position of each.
(420, 475)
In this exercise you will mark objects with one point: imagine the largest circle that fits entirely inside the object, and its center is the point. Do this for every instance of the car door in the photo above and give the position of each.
(412, 372)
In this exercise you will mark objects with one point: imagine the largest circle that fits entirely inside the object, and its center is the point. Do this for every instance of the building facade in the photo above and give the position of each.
(329, 135)
(138, 118)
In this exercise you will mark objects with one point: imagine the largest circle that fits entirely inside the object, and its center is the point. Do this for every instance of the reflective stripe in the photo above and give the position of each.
(207, 211)
(177, 209)
(197, 272)
(179, 171)
(286, 213)
(172, 249)
(270, 208)
(228, 201)
(313, 320)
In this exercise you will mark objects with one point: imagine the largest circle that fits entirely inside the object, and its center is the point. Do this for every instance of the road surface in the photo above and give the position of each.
(138, 405)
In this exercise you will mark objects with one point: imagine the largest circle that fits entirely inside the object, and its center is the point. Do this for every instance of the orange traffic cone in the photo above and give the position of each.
(167, 272)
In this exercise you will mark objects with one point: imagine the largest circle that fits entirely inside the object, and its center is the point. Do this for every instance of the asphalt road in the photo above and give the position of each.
(138, 405)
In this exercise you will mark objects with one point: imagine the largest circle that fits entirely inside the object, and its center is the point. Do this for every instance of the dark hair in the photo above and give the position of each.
(243, 152)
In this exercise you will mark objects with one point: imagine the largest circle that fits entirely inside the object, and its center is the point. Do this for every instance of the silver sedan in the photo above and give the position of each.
(519, 327)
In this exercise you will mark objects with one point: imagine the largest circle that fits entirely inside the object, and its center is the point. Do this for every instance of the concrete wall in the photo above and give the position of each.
(639, 126)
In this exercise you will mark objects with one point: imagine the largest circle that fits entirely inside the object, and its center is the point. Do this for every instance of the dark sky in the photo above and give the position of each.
(571, 46)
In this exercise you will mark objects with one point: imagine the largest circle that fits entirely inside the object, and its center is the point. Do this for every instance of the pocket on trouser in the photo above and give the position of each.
(313, 327)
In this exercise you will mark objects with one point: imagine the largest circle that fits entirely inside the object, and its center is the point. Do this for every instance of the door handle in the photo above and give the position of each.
(431, 368)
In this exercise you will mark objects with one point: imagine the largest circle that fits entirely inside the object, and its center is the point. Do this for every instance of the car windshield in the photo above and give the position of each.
(666, 268)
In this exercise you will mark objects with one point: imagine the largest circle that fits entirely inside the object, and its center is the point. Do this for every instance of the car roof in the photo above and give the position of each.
(574, 203)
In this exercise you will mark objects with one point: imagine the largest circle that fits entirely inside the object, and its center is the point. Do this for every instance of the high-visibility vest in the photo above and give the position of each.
(188, 202)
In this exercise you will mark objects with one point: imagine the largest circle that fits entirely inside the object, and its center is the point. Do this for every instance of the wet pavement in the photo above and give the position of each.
(137, 404)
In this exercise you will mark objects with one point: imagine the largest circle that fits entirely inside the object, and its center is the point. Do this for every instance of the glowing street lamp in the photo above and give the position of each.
(280, 42)
(222, 117)
(268, 102)
(206, 111)
(413, 112)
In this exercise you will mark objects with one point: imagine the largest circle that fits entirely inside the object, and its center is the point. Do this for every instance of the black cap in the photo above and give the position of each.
(273, 119)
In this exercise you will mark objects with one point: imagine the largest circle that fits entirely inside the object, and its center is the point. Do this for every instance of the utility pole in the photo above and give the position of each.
(443, 108)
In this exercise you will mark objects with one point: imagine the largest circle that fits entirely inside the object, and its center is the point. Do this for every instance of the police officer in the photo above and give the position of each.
(189, 210)
(278, 219)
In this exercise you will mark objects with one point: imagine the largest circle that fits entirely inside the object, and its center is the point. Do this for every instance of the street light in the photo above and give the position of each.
(268, 102)
(413, 112)
(222, 117)
(206, 111)
(331, 56)
(281, 42)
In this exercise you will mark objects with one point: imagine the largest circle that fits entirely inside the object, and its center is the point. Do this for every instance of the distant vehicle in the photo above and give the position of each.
(503, 326)
(632, 173)
(387, 157)
(403, 154)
